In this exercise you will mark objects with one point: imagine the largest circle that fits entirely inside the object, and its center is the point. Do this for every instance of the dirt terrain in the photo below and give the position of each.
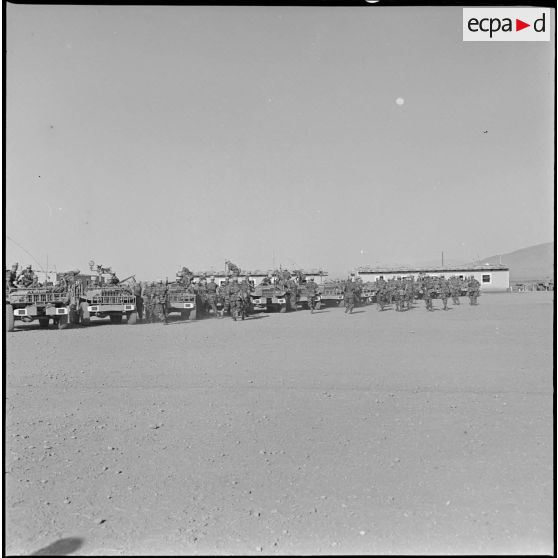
(377, 432)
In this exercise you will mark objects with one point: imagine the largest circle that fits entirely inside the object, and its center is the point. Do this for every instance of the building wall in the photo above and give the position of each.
(490, 280)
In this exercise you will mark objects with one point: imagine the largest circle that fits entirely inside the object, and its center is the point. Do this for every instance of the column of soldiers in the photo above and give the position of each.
(404, 290)
(234, 296)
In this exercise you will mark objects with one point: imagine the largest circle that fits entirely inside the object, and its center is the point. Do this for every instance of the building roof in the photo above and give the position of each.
(445, 269)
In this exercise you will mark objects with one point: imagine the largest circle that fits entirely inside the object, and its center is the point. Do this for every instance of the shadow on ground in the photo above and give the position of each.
(61, 547)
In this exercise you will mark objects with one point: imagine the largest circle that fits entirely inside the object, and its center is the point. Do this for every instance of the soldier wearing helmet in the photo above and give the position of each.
(312, 292)
(211, 292)
(235, 295)
(473, 290)
(246, 290)
(224, 293)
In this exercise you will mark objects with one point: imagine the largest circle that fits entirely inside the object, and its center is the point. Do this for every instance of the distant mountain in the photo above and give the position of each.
(528, 264)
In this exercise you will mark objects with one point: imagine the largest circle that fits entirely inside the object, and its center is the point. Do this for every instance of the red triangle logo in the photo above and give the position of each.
(519, 25)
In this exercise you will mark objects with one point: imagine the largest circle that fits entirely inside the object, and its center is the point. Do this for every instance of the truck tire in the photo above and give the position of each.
(43, 322)
(10, 319)
(132, 318)
(84, 317)
(63, 321)
(185, 314)
(116, 318)
(74, 316)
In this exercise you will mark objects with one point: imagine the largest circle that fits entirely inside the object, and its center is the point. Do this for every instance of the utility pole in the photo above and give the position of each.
(442, 259)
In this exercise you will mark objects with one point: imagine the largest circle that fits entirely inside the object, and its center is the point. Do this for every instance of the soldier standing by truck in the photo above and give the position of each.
(224, 293)
(246, 289)
(292, 288)
(235, 298)
(139, 300)
(211, 291)
(312, 290)
(147, 297)
(160, 302)
(349, 296)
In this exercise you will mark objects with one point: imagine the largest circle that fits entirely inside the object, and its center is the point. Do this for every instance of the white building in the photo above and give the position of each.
(492, 277)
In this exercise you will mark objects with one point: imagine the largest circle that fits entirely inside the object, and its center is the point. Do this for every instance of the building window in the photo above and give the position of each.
(486, 278)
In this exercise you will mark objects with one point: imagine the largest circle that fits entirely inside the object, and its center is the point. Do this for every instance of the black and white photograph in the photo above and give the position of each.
(279, 279)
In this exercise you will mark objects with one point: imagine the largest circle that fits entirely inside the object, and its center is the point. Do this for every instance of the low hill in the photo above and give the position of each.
(528, 264)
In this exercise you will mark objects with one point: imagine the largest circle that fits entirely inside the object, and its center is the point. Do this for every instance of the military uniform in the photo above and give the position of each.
(211, 292)
(455, 289)
(349, 296)
(225, 294)
(292, 289)
(147, 296)
(246, 289)
(160, 298)
(427, 293)
(139, 300)
(473, 290)
(201, 292)
(445, 291)
(235, 296)
(312, 290)
(399, 295)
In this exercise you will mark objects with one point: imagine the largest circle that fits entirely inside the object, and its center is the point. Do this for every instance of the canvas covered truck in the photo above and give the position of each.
(39, 303)
(182, 300)
(96, 296)
(331, 293)
(269, 298)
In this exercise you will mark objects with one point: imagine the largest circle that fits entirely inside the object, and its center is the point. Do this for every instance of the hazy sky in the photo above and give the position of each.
(148, 138)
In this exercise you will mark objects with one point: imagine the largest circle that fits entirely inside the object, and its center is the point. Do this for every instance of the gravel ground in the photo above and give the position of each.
(376, 432)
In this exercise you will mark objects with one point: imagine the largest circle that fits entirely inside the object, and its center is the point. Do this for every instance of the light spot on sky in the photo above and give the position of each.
(400, 101)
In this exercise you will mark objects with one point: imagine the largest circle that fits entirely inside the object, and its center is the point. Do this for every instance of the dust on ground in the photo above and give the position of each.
(377, 432)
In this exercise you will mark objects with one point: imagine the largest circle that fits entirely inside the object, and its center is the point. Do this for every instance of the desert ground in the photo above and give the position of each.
(372, 433)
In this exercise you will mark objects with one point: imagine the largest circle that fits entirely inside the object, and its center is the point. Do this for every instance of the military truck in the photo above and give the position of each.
(39, 303)
(96, 295)
(368, 295)
(331, 293)
(182, 300)
(269, 298)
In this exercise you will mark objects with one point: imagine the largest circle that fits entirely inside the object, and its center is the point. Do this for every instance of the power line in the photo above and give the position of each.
(27, 252)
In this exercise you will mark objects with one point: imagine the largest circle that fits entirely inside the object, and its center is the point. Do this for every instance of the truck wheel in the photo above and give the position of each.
(10, 319)
(132, 318)
(193, 314)
(185, 314)
(63, 322)
(84, 316)
(43, 322)
(116, 318)
(74, 316)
